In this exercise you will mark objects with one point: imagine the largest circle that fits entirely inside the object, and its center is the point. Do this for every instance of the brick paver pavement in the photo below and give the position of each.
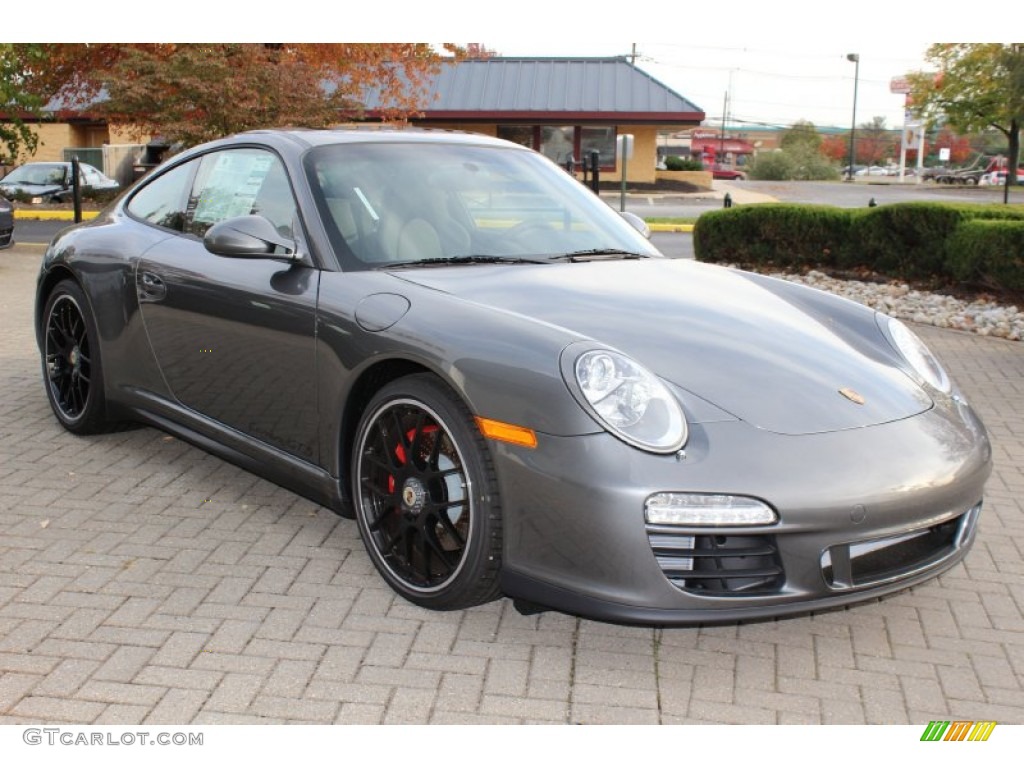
(143, 581)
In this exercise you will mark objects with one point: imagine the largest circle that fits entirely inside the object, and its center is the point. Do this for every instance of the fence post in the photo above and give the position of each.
(76, 188)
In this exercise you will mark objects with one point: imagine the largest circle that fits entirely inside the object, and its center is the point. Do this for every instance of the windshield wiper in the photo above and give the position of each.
(593, 254)
(442, 261)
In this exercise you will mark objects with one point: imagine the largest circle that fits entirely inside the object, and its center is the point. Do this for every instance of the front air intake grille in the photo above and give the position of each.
(718, 565)
(863, 563)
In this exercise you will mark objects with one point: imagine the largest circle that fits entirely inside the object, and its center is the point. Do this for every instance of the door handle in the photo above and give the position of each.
(151, 287)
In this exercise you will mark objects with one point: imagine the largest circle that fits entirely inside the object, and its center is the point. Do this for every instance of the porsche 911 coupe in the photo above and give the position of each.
(448, 338)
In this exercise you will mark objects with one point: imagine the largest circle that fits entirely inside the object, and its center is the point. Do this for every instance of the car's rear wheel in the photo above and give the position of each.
(426, 495)
(72, 371)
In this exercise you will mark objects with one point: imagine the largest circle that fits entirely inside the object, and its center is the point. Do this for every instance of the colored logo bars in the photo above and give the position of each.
(958, 730)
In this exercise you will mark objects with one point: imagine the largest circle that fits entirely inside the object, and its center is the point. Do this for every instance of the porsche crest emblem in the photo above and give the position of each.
(852, 395)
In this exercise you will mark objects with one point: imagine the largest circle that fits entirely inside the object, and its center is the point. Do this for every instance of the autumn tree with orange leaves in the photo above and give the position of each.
(191, 93)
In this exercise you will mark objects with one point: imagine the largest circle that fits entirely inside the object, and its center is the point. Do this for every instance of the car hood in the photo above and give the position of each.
(773, 354)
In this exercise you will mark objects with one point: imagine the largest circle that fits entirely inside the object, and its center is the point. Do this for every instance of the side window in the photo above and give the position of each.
(241, 182)
(162, 200)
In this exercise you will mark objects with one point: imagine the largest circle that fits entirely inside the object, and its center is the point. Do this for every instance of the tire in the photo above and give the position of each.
(426, 496)
(72, 371)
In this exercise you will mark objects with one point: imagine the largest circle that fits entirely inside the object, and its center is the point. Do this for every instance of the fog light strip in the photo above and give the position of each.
(714, 510)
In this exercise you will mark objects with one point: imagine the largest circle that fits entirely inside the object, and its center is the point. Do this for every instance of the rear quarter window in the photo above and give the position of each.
(162, 201)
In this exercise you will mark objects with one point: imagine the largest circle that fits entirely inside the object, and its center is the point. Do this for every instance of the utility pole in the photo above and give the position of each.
(721, 142)
(855, 58)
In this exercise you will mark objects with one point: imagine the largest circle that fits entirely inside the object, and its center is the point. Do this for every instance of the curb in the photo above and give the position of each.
(22, 215)
(671, 227)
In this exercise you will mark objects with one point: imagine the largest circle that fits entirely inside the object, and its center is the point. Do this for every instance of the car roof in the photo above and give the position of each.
(311, 137)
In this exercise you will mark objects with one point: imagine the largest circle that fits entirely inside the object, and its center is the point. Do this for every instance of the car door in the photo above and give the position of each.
(235, 338)
(88, 178)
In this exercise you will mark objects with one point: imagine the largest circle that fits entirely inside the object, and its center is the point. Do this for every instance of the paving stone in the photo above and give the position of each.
(296, 710)
(177, 707)
(234, 693)
(58, 709)
(124, 664)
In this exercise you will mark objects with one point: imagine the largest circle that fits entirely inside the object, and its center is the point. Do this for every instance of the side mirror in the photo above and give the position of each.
(636, 223)
(249, 237)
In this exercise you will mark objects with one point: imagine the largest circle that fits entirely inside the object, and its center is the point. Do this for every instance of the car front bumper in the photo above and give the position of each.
(862, 513)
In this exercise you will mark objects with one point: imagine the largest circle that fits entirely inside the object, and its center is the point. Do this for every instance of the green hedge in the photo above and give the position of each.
(778, 233)
(917, 240)
(988, 252)
(676, 163)
(909, 239)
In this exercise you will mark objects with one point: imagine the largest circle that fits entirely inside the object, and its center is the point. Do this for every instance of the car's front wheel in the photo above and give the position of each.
(71, 361)
(426, 495)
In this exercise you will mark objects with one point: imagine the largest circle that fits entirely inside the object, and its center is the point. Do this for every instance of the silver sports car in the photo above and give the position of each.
(448, 338)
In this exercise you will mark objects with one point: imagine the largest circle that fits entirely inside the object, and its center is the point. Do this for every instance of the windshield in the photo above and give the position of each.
(388, 204)
(38, 174)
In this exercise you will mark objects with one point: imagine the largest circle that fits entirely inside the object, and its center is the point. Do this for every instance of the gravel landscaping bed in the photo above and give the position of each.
(981, 316)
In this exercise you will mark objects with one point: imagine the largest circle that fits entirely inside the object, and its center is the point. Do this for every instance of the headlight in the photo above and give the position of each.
(918, 355)
(630, 401)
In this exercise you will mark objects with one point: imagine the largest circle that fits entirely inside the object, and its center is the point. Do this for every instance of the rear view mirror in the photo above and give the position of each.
(249, 237)
(637, 223)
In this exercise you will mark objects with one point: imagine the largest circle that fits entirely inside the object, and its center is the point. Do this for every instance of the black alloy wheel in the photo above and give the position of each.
(426, 496)
(71, 367)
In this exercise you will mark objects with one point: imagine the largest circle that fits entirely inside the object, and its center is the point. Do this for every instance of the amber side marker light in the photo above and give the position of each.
(507, 433)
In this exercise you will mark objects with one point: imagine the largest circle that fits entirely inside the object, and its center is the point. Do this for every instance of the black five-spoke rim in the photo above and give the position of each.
(415, 495)
(68, 362)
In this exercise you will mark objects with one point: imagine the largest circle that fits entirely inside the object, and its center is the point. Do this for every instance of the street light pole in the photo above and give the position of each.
(855, 58)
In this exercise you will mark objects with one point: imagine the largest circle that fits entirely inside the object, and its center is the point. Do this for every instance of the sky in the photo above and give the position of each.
(773, 85)
(779, 60)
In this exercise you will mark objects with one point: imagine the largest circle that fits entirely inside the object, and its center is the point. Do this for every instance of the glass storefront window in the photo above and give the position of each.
(520, 134)
(600, 138)
(560, 142)
(557, 143)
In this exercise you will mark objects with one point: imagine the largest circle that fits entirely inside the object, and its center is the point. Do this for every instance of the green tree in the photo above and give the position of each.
(977, 86)
(808, 163)
(771, 166)
(800, 157)
(16, 101)
(875, 142)
(802, 133)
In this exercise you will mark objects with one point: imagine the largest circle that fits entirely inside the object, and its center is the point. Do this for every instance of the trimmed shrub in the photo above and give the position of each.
(676, 163)
(977, 243)
(909, 240)
(905, 240)
(771, 166)
(988, 252)
(782, 234)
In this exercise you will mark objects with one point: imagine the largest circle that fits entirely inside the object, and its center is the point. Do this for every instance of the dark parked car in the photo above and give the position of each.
(449, 338)
(51, 182)
(6, 224)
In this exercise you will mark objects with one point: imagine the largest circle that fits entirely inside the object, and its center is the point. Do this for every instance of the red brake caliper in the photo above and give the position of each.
(400, 452)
